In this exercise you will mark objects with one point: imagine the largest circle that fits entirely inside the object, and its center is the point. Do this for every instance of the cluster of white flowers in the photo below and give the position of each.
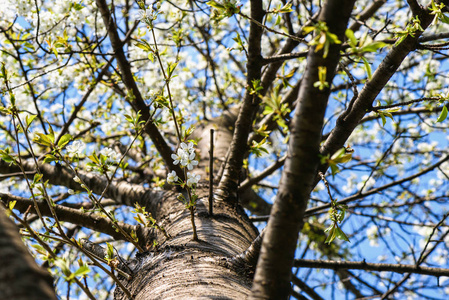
(148, 15)
(110, 154)
(185, 156)
(76, 148)
(172, 177)
(192, 179)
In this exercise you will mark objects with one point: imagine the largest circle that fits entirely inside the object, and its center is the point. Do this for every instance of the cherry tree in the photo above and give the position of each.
(224, 149)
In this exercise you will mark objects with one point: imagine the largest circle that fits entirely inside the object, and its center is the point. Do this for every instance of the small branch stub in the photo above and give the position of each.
(211, 173)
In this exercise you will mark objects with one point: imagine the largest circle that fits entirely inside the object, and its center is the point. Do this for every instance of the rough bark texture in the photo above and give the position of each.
(180, 268)
(272, 279)
(20, 276)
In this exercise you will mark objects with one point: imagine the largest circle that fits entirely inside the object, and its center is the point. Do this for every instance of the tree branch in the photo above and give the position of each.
(367, 13)
(313, 210)
(120, 191)
(75, 216)
(350, 118)
(247, 183)
(362, 265)
(239, 147)
(305, 288)
(249, 256)
(139, 104)
(273, 273)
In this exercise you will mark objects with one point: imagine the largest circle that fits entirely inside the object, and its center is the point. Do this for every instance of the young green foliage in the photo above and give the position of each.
(323, 37)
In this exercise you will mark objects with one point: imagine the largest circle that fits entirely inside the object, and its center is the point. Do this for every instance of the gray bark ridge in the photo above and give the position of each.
(180, 268)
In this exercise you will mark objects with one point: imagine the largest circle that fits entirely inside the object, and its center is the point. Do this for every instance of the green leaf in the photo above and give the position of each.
(215, 5)
(341, 235)
(51, 134)
(94, 158)
(49, 158)
(278, 20)
(42, 139)
(384, 120)
(29, 119)
(129, 118)
(110, 251)
(78, 6)
(351, 37)
(11, 204)
(64, 140)
(373, 47)
(37, 177)
(444, 18)
(338, 154)
(334, 169)
(151, 56)
(286, 8)
(39, 249)
(331, 236)
(443, 114)
(83, 270)
(308, 29)
(367, 67)
(144, 46)
(6, 157)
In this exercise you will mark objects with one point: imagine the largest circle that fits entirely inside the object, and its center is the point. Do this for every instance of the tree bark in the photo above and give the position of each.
(180, 268)
(20, 277)
(272, 278)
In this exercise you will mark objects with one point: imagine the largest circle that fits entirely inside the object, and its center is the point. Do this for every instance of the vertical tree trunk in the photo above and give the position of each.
(183, 269)
(179, 268)
(20, 276)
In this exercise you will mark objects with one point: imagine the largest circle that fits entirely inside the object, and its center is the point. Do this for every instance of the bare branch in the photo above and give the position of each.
(75, 216)
(120, 191)
(313, 210)
(362, 265)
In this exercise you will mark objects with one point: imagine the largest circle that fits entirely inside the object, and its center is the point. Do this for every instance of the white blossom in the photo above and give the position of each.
(147, 15)
(76, 148)
(177, 157)
(185, 155)
(144, 13)
(188, 147)
(110, 154)
(191, 162)
(192, 179)
(172, 177)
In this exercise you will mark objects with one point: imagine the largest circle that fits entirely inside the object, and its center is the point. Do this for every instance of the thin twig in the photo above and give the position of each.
(295, 38)
(376, 108)
(211, 173)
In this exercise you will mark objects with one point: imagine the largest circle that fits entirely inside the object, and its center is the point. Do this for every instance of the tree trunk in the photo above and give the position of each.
(20, 276)
(180, 268)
